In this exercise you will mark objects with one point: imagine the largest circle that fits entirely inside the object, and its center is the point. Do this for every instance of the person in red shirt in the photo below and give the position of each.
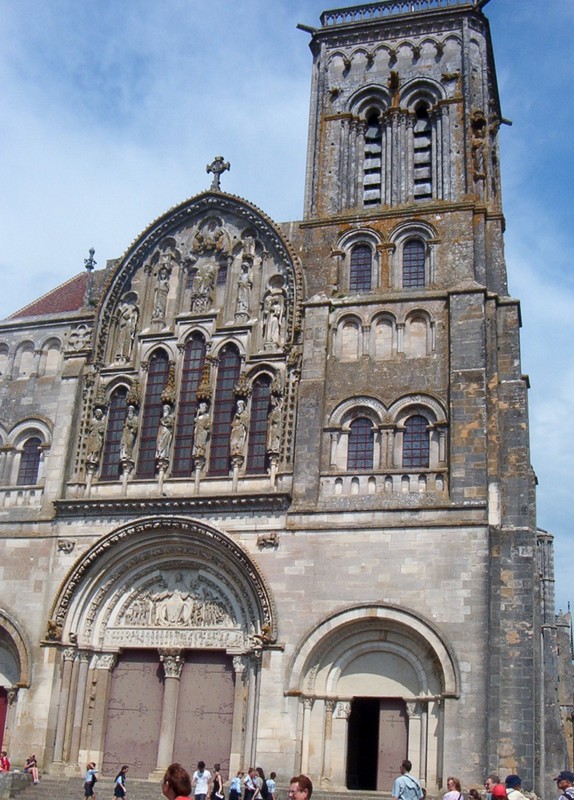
(4, 762)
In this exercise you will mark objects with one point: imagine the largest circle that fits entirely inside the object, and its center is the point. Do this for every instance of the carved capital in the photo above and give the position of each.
(172, 661)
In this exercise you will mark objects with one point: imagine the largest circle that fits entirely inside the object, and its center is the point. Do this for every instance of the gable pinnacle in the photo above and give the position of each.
(217, 166)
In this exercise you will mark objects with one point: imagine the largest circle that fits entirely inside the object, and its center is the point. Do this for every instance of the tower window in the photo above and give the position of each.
(361, 445)
(360, 271)
(372, 163)
(29, 462)
(413, 264)
(416, 443)
(422, 146)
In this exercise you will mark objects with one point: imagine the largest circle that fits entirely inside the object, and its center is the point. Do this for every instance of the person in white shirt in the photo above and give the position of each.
(201, 782)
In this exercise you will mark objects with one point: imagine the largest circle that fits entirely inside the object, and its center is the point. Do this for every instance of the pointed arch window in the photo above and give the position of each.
(193, 363)
(372, 160)
(416, 443)
(30, 462)
(111, 467)
(257, 445)
(422, 155)
(361, 268)
(158, 370)
(361, 444)
(227, 376)
(413, 264)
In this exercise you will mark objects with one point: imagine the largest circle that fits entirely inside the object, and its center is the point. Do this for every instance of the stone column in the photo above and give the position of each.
(339, 737)
(68, 657)
(327, 742)
(306, 738)
(253, 685)
(104, 666)
(83, 664)
(172, 661)
(414, 736)
(237, 742)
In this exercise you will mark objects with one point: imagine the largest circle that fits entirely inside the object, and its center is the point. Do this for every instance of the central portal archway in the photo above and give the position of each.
(159, 623)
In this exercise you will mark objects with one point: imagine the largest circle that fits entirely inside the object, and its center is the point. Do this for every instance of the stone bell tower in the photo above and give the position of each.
(404, 230)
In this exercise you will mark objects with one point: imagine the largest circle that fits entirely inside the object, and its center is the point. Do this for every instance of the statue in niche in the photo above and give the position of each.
(129, 434)
(249, 242)
(273, 311)
(209, 238)
(202, 288)
(274, 424)
(161, 289)
(127, 319)
(165, 434)
(239, 427)
(95, 440)
(201, 430)
(244, 286)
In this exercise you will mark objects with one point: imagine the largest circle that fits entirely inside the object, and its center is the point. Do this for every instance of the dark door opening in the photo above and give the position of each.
(363, 744)
(377, 742)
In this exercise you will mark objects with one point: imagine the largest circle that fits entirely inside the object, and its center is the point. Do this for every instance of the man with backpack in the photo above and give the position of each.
(405, 786)
(565, 782)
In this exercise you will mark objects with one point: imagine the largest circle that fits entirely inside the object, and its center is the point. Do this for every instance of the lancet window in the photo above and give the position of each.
(227, 376)
(116, 415)
(193, 363)
(260, 403)
(158, 370)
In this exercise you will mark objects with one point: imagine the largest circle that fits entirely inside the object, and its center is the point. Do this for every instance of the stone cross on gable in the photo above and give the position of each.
(217, 166)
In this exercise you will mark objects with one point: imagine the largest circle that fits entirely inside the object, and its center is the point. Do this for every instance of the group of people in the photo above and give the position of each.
(178, 784)
(30, 767)
(407, 787)
(252, 785)
(91, 778)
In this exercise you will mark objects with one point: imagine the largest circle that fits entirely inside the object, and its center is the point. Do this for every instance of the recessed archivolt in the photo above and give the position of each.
(167, 573)
(18, 645)
(324, 651)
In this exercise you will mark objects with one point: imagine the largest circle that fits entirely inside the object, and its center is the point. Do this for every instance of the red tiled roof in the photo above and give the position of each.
(69, 296)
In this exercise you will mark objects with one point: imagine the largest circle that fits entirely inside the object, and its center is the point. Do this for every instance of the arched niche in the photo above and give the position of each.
(375, 650)
(164, 583)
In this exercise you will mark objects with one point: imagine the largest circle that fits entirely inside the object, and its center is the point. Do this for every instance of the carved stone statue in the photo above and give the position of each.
(274, 425)
(244, 285)
(239, 427)
(202, 288)
(95, 440)
(273, 309)
(127, 317)
(129, 434)
(201, 431)
(161, 290)
(165, 434)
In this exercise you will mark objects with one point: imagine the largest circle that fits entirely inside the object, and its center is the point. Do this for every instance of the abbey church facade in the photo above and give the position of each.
(266, 493)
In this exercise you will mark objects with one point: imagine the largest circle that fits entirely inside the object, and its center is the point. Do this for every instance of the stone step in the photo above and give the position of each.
(62, 788)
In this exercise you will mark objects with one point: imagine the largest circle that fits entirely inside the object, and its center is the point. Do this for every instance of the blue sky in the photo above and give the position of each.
(111, 110)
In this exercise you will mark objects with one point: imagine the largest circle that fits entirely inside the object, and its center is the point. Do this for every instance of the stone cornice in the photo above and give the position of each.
(274, 503)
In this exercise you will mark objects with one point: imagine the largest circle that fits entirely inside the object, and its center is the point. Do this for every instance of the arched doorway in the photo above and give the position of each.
(371, 683)
(159, 625)
(14, 673)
